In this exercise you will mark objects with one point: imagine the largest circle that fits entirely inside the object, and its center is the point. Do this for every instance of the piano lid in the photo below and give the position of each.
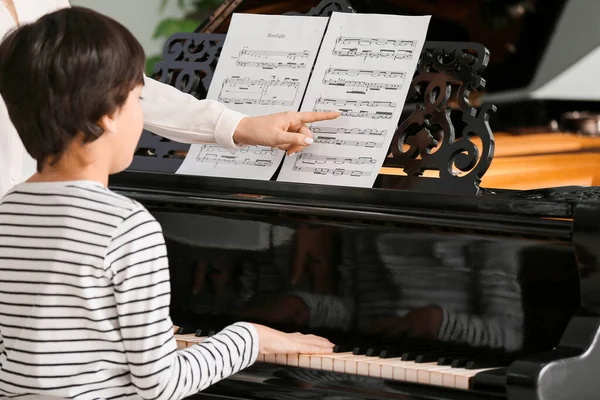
(539, 49)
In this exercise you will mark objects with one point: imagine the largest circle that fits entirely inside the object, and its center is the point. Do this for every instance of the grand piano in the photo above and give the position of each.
(432, 286)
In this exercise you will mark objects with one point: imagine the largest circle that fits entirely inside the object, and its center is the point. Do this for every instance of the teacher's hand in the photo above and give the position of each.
(285, 131)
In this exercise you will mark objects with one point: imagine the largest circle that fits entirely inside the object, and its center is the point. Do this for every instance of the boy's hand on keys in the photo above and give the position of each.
(275, 342)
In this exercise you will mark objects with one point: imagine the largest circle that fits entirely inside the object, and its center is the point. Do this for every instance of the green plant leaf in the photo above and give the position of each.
(170, 26)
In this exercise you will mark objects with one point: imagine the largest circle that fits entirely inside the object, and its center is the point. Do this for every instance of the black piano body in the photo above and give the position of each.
(432, 288)
(484, 282)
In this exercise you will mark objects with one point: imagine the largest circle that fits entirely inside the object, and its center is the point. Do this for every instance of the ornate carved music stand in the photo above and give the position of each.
(424, 141)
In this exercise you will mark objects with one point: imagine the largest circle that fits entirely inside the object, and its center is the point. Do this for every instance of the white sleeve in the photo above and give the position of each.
(181, 117)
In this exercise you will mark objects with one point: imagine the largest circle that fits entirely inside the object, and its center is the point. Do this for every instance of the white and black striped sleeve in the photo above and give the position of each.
(138, 262)
(2, 351)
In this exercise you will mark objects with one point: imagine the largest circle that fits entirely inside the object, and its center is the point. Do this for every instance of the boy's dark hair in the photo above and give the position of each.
(62, 73)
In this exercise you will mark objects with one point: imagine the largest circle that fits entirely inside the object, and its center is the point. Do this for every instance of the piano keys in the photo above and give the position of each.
(450, 372)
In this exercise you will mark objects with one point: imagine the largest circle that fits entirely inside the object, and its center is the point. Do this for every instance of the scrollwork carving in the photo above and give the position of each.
(426, 139)
(326, 7)
(189, 62)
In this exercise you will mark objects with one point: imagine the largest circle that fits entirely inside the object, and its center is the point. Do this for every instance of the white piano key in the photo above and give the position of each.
(425, 375)
(327, 363)
(292, 360)
(412, 371)
(316, 362)
(394, 368)
(386, 368)
(181, 340)
(303, 361)
(462, 377)
(281, 359)
(194, 341)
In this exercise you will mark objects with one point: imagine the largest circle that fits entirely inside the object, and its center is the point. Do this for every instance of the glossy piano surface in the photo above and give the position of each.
(472, 282)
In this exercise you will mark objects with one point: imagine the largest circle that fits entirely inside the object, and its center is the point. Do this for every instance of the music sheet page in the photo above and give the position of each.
(364, 70)
(264, 68)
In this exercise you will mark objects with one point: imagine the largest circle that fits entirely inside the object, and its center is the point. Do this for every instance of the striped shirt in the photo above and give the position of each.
(84, 302)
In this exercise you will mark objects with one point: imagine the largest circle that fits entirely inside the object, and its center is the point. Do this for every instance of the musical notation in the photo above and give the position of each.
(233, 160)
(333, 78)
(351, 143)
(374, 48)
(332, 171)
(273, 91)
(216, 156)
(366, 54)
(271, 65)
(322, 165)
(257, 150)
(263, 68)
(363, 72)
(292, 55)
(309, 158)
(359, 113)
(360, 87)
(267, 59)
(376, 41)
(248, 83)
(348, 131)
(355, 103)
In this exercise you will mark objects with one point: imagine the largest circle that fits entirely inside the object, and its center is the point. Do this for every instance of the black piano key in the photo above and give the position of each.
(407, 352)
(343, 348)
(489, 363)
(498, 357)
(493, 380)
(205, 332)
(433, 356)
(361, 349)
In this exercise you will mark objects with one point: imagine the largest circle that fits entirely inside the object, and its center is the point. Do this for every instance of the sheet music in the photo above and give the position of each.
(364, 70)
(264, 68)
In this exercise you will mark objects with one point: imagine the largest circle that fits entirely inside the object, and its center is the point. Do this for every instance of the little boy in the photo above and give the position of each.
(84, 276)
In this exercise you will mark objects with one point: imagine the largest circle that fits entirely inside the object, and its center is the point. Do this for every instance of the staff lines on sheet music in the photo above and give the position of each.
(268, 59)
(366, 54)
(348, 131)
(343, 142)
(233, 160)
(344, 112)
(333, 78)
(375, 41)
(272, 91)
(209, 154)
(266, 54)
(366, 72)
(215, 148)
(321, 165)
(379, 48)
(354, 103)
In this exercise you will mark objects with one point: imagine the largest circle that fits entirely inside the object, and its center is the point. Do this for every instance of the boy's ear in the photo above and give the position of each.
(108, 123)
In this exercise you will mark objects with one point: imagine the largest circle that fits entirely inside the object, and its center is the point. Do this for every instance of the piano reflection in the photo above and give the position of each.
(433, 286)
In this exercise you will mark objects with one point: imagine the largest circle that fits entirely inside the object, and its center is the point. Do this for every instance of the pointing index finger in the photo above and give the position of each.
(314, 116)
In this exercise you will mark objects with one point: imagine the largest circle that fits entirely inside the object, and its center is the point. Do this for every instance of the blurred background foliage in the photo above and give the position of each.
(194, 11)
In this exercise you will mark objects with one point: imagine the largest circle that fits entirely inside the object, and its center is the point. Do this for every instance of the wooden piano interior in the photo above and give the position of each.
(429, 292)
